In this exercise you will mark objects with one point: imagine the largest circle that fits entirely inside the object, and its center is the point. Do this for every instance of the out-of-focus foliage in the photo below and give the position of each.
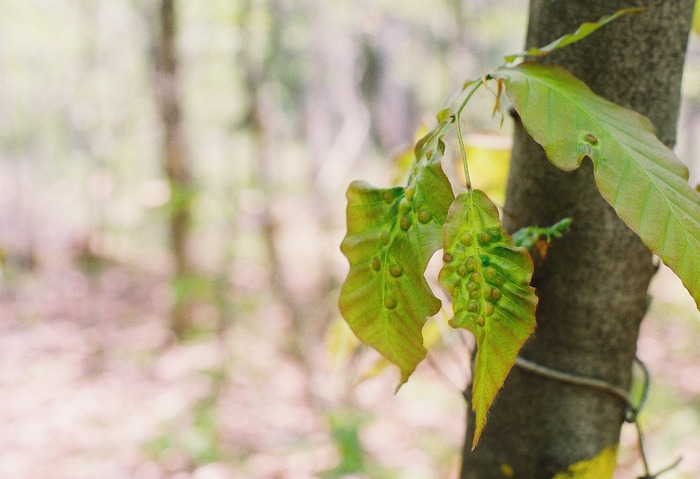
(283, 104)
(97, 385)
(345, 428)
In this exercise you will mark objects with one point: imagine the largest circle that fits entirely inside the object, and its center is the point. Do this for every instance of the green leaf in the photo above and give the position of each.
(392, 233)
(528, 236)
(345, 426)
(489, 279)
(638, 175)
(432, 334)
(583, 31)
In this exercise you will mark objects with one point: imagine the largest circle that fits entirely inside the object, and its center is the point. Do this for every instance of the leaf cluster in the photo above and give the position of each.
(393, 232)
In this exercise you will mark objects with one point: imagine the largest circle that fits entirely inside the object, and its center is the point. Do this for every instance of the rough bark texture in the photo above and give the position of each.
(592, 285)
(175, 162)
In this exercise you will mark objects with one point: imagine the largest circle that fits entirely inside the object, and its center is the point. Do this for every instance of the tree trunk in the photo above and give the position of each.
(592, 285)
(175, 164)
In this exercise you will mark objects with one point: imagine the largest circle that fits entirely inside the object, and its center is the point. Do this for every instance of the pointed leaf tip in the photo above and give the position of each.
(385, 298)
(489, 280)
(391, 235)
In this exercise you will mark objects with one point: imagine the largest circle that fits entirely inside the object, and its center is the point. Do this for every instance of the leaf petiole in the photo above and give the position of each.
(458, 121)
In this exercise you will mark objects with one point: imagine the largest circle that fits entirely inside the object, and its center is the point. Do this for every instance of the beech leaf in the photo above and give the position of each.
(639, 176)
(391, 235)
(489, 279)
(582, 32)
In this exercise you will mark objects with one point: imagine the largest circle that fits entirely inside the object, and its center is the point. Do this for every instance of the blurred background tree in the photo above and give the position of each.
(176, 165)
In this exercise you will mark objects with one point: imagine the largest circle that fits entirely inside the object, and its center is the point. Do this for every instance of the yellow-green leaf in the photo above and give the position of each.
(582, 32)
(432, 335)
(391, 235)
(639, 176)
(489, 279)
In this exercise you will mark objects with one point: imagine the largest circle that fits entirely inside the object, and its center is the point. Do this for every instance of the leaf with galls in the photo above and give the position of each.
(489, 279)
(392, 233)
(639, 176)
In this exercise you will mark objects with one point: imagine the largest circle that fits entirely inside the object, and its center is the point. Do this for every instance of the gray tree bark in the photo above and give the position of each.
(592, 285)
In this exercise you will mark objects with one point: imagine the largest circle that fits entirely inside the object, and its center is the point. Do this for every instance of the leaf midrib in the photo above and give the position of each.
(672, 206)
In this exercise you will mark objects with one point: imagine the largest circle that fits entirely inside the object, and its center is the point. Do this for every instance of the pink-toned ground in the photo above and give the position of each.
(93, 386)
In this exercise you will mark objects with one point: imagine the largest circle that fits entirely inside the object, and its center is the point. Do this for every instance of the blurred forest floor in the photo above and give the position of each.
(93, 385)
(284, 103)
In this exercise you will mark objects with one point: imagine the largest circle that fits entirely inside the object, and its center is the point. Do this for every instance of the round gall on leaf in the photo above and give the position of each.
(404, 206)
(490, 273)
(494, 300)
(484, 237)
(424, 216)
(384, 238)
